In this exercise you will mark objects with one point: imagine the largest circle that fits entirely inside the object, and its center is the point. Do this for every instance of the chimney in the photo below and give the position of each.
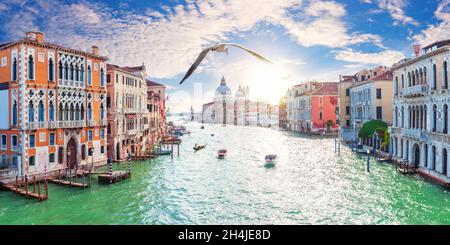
(35, 36)
(95, 50)
(416, 48)
(40, 36)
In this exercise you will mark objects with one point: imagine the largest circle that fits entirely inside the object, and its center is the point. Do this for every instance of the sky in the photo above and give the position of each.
(305, 40)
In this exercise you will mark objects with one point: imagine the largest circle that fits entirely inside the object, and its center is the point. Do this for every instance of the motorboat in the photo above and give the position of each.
(221, 153)
(199, 147)
(271, 161)
(163, 151)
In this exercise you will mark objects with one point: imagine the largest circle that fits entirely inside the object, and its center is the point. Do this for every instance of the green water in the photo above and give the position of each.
(309, 185)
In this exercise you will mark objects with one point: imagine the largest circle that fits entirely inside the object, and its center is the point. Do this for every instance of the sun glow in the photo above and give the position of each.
(268, 82)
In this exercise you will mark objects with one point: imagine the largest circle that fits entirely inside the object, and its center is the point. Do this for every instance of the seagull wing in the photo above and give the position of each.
(250, 51)
(196, 64)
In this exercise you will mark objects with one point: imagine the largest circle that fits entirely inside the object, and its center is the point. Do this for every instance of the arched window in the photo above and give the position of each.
(420, 76)
(72, 112)
(66, 71)
(434, 118)
(433, 85)
(396, 86)
(417, 78)
(403, 81)
(444, 162)
(14, 114)
(77, 113)
(71, 72)
(77, 73)
(102, 112)
(445, 75)
(82, 73)
(82, 112)
(51, 112)
(50, 70)
(14, 69)
(30, 68)
(66, 113)
(409, 79)
(89, 112)
(60, 70)
(102, 77)
(89, 74)
(41, 111)
(60, 112)
(30, 112)
(445, 121)
(425, 78)
(433, 157)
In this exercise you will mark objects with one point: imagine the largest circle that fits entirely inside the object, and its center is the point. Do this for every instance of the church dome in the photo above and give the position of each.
(223, 88)
(240, 93)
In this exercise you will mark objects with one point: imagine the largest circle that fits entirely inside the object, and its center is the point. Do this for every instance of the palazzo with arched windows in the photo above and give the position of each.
(421, 129)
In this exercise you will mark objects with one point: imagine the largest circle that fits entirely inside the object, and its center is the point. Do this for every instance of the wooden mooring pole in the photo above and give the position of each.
(39, 190)
(34, 184)
(26, 185)
(17, 183)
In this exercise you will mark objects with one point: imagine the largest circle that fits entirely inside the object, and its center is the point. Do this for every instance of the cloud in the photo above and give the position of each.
(438, 31)
(397, 12)
(386, 57)
(169, 40)
(323, 25)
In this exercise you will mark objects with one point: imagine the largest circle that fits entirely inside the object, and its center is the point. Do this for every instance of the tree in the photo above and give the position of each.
(369, 128)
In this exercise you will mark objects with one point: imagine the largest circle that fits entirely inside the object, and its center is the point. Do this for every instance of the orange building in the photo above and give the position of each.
(53, 107)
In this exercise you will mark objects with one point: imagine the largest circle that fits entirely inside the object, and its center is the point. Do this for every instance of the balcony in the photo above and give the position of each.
(92, 123)
(71, 124)
(37, 125)
(70, 83)
(52, 125)
(415, 91)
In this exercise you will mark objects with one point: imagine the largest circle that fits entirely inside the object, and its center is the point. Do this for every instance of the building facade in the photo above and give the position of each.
(311, 107)
(372, 100)
(53, 107)
(420, 135)
(127, 111)
(156, 106)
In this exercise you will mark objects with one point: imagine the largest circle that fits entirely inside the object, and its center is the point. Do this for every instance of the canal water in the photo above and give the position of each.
(309, 185)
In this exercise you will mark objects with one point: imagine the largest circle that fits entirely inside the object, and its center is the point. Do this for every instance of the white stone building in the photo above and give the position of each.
(420, 135)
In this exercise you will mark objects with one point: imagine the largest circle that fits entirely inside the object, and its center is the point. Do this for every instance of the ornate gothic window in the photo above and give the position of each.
(50, 70)
(30, 112)
(60, 70)
(14, 69)
(89, 74)
(14, 114)
(41, 111)
(30, 68)
(51, 112)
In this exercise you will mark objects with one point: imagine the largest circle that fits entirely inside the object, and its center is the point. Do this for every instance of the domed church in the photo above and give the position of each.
(225, 109)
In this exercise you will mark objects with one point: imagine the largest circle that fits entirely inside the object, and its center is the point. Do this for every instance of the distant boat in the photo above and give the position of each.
(221, 153)
(271, 161)
(177, 133)
(199, 147)
(163, 151)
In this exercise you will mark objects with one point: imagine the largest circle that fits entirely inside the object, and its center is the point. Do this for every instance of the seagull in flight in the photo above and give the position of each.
(222, 48)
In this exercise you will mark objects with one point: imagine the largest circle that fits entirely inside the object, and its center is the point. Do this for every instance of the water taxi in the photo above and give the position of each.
(271, 160)
(221, 153)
